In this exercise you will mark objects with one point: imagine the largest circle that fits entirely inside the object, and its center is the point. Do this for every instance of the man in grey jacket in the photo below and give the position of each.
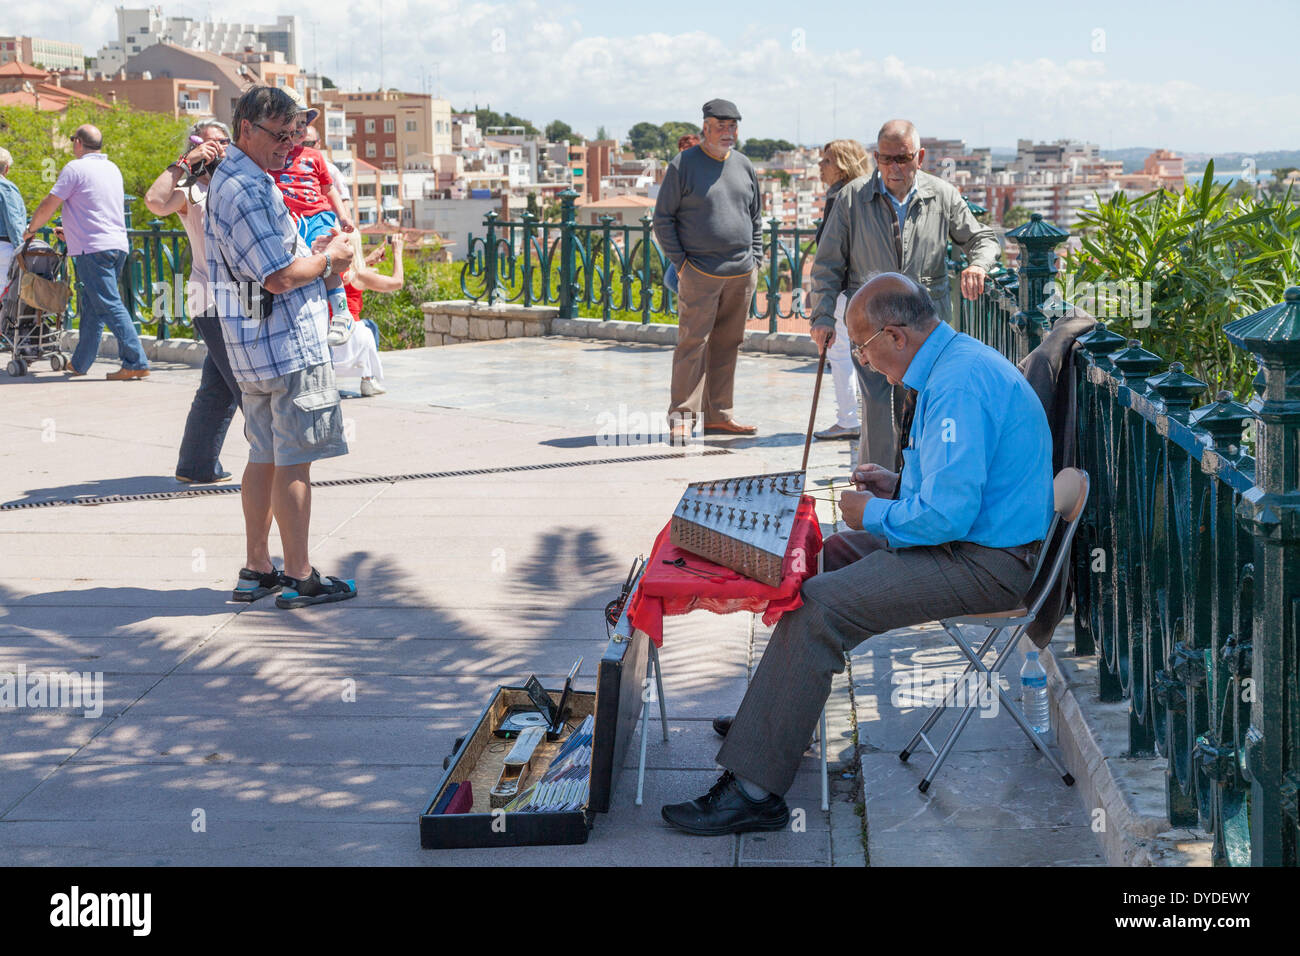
(899, 219)
(707, 223)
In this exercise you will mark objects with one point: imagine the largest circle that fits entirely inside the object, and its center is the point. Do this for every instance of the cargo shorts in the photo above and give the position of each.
(295, 418)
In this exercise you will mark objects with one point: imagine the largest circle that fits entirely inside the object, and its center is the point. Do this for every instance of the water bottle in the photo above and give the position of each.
(1033, 686)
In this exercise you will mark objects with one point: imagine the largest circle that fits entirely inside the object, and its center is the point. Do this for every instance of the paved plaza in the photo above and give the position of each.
(317, 736)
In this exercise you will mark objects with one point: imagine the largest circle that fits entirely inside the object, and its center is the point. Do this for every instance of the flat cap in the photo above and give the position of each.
(721, 109)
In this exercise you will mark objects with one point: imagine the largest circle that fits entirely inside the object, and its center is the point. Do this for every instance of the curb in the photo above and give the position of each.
(1125, 795)
(774, 343)
(183, 351)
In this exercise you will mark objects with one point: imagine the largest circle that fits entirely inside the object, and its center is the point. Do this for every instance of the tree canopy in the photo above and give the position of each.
(139, 142)
(647, 139)
(487, 117)
(557, 130)
(761, 149)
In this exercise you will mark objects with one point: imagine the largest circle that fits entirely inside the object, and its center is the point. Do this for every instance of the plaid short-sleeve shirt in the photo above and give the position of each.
(249, 224)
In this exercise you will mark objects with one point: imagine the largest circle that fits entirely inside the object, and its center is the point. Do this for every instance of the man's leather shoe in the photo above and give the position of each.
(836, 433)
(125, 374)
(729, 428)
(726, 809)
(722, 724)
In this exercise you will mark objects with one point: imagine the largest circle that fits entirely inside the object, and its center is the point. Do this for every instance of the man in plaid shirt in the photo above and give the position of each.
(278, 355)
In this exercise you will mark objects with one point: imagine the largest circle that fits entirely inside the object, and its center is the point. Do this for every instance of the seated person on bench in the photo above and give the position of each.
(956, 533)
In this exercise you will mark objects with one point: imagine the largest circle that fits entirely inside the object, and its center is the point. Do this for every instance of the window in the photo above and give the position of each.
(370, 150)
(370, 126)
(352, 127)
(390, 125)
(411, 126)
(390, 149)
(280, 81)
(410, 148)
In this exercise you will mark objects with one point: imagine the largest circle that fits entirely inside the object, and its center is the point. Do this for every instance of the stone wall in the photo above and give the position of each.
(460, 320)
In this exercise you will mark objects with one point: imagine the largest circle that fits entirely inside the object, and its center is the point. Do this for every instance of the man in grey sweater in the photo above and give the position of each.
(707, 223)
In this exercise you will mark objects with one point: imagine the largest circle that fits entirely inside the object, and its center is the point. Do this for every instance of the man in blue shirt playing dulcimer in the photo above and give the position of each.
(957, 532)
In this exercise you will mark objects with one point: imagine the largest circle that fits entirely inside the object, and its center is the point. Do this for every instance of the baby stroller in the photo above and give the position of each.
(32, 308)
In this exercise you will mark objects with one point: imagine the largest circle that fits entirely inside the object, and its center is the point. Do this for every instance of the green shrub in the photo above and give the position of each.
(1209, 258)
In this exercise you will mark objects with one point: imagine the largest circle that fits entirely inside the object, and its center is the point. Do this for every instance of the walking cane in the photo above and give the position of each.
(812, 416)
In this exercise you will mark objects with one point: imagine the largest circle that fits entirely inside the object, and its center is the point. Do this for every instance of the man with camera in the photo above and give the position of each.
(270, 296)
(182, 188)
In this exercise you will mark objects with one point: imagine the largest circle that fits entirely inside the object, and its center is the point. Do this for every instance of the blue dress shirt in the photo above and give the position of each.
(978, 466)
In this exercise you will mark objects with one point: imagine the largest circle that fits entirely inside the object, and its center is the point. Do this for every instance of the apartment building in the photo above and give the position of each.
(386, 127)
(39, 52)
(139, 29)
(181, 98)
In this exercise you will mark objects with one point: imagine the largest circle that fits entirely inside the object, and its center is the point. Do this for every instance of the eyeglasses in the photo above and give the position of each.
(297, 132)
(861, 350)
(902, 159)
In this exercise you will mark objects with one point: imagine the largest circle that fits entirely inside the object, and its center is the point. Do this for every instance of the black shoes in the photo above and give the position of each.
(219, 476)
(726, 809)
(722, 724)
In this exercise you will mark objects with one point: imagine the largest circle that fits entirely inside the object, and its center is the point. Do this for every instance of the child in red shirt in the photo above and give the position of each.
(316, 205)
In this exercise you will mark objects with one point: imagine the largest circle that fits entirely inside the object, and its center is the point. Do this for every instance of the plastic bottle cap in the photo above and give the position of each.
(1032, 655)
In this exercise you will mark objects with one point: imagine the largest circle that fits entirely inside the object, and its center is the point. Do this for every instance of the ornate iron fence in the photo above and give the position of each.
(153, 281)
(610, 268)
(1187, 561)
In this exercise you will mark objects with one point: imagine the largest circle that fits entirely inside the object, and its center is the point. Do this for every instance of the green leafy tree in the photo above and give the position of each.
(647, 139)
(762, 149)
(140, 143)
(674, 130)
(600, 133)
(327, 84)
(1015, 216)
(486, 117)
(558, 130)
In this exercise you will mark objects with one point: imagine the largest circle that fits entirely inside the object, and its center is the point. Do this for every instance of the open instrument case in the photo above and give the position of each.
(480, 755)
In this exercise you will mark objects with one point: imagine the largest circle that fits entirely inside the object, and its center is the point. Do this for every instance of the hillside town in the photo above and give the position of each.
(410, 159)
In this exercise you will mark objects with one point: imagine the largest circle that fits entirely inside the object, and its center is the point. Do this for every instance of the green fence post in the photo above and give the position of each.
(529, 220)
(773, 277)
(490, 257)
(1271, 511)
(647, 292)
(1036, 238)
(606, 285)
(567, 269)
(153, 244)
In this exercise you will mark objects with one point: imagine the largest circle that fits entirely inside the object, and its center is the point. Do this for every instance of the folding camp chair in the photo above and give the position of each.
(1070, 492)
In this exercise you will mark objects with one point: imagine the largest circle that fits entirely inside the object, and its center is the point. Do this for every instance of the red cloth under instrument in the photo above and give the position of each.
(666, 590)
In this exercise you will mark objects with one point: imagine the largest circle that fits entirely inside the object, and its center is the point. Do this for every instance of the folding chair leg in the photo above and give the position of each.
(1035, 738)
(942, 755)
(948, 698)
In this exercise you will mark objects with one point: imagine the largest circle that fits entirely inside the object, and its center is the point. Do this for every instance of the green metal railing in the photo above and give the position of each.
(1187, 560)
(613, 268)
(153, 281)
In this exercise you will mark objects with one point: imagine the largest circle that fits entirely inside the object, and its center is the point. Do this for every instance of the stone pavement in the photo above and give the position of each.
(235, 716)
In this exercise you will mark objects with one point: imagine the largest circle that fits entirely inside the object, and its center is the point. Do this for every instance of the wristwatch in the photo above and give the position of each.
(329, 267)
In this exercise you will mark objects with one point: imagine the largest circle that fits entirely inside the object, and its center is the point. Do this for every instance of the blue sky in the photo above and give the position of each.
(1190, 76)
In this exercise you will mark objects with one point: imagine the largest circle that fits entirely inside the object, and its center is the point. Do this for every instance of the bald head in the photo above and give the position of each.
(89, 136)
(891, 299)
(899, 131)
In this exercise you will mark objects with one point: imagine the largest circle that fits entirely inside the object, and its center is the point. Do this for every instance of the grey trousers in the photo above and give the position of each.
(866, 588)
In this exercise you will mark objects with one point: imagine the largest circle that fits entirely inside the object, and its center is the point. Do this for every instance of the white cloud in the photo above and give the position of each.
(535, 60)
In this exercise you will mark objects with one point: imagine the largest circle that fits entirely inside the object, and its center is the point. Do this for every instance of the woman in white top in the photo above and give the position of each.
(359, 355)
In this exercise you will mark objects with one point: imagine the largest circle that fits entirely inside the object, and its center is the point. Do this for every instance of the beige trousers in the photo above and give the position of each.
(711, 325)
